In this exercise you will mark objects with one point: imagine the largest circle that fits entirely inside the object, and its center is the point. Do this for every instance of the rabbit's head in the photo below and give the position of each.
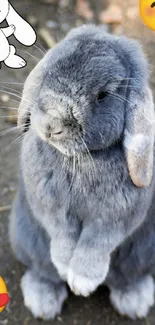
(90, 92)
(4, 9)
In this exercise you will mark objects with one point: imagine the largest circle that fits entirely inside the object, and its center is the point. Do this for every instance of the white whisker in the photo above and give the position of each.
(44, 50)
(7, 116)
(11, 83)
(20, 97)
(131, 103)
(14, 100)
(122, 79)
(73, 176)
(8, 107)
(15, 128)
(39, 49)
(17, 140)
(12, 89)
(32, 56)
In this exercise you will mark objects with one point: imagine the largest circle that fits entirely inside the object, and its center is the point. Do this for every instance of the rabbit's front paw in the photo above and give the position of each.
(61, 259)
(83, 280)
(61, 267)
(81, 285)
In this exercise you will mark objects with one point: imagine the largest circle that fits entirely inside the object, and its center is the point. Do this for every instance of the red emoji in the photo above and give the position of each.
(4, 299)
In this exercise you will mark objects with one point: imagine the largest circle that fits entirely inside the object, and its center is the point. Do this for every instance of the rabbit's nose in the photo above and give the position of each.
(55, 133)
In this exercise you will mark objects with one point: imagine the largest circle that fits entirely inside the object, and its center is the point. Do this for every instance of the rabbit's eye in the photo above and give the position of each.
(101, 96)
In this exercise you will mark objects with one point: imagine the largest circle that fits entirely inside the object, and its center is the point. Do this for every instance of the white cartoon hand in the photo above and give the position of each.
(24, 33)
(12, 28)
(13, 60)
(8, 31)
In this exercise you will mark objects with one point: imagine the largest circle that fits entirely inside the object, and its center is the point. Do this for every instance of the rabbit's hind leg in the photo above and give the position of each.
(43, 290)
(42, 297)
(134, 300)
(13, 60)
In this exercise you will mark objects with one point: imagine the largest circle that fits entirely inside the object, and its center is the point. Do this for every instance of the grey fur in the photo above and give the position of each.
(84, 208)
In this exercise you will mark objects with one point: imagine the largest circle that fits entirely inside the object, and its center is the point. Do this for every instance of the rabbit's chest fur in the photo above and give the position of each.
(93, 188)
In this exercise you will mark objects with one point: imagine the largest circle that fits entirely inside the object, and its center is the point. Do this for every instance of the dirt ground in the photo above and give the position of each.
(95, 310)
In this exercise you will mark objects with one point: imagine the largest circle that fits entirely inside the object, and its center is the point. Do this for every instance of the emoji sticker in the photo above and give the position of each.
(4, 297)
(20, 29)
(147, 12)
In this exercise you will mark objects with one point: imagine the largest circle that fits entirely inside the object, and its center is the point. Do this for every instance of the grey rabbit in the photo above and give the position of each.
(83, 212)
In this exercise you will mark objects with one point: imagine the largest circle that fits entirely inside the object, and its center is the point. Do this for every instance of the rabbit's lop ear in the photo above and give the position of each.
(139, 129)
(31, 92)
(139, 137)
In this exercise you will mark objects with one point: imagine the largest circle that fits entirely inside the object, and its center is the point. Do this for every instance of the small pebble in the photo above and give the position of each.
(59, 319)
(4, 322)
(13, 272)
(33, 20)
(64, 3)
(78, 22)
(12, 188)
(65, 27)
(5, 98)
(51, 24)
(5, 190)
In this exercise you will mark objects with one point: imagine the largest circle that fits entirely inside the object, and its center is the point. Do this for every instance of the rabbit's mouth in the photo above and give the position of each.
(68, 147)
(68, 139)
(69, 143)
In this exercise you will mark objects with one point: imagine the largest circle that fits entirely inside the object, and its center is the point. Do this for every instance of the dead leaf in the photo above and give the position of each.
(83, 9)
(132, 12)
(12, 116)
(112, 15)
(47, 37)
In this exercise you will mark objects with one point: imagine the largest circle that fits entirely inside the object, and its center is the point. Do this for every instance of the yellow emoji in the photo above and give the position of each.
(4, 298)
(147, 12)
